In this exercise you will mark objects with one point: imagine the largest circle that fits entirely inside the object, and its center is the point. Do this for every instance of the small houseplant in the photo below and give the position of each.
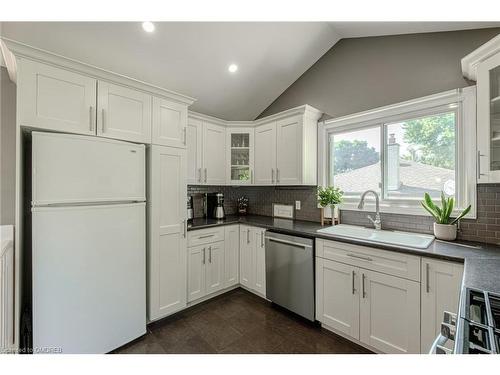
(328, 198)
(445, 227)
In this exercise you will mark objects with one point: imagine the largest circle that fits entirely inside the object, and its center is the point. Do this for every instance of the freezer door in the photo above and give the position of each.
(73, 169)
(89, 277)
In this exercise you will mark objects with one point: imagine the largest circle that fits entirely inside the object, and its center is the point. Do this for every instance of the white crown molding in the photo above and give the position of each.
(305, 109)
(473, 59)
(12, 49)
(9, 61)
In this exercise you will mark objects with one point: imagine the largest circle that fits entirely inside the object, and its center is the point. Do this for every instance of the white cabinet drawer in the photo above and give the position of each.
(392, 263)
(203, 236)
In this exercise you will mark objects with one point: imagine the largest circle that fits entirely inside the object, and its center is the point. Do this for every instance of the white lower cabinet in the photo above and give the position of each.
(232, 255)
(259, 284)
(167, 231)
(389, 313)
(253, 259)
(337, 296)
(440, 292)
(375, 308)
(205, 270)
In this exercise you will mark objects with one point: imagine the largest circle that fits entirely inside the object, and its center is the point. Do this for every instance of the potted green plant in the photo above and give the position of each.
(329, 198)
(445, 227)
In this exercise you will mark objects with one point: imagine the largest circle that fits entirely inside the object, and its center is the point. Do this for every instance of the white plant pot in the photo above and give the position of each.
(331, 213)
(447, 232)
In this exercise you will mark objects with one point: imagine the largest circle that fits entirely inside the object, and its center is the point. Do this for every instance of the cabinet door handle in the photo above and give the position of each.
(184, 222)
(203, 255)
(272, 175)
(261, 239)
(210, 254)
(205, 175)
(277, 175)
(427, 287)
(248, 236)
(479, 174)
(359, 257)
(363, 285)
(103, 116)
(184, 131)
(91, 121)
(199, 175)
(206, 236)
(353, 287)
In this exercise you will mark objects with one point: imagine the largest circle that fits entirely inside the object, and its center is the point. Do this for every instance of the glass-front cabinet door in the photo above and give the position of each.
(488, 119)
(240, 148)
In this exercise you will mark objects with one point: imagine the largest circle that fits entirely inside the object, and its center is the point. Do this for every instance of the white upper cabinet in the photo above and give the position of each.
(265, 154)
(55, 99)
(440, 292)
(214, 154)
(483, 65)
(239, 156)
(289, 137)
(123, 113)
(194, 135)
(488, 119)
(169, 123)
(277, 150)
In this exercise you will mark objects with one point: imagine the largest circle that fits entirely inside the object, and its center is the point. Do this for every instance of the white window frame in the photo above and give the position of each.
(463, 101)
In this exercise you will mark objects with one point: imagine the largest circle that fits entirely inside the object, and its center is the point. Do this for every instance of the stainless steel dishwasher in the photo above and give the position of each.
(290, 273)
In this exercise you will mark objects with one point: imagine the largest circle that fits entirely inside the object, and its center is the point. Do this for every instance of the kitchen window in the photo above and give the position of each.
(403, 151)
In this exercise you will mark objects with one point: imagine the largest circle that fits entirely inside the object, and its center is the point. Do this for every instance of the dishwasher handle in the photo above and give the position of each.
(289, 242)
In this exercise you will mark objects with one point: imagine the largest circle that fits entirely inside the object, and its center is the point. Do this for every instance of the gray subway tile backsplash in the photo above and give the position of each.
(485, 228)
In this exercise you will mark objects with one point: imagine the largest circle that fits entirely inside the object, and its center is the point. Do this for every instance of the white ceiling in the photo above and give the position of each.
(192, 58)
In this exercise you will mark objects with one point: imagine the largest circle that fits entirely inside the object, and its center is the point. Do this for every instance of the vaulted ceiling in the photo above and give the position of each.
(192, 58)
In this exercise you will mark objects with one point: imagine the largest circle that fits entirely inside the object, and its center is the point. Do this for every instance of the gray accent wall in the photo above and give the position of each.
(7, 148)
(359, 74)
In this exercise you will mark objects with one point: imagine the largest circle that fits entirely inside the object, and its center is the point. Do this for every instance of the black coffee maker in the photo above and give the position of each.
(213, 206)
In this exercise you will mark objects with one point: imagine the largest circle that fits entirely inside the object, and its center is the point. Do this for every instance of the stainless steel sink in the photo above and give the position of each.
(395, 238)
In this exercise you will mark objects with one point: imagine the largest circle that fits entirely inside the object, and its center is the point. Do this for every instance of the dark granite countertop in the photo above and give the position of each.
(482, 261)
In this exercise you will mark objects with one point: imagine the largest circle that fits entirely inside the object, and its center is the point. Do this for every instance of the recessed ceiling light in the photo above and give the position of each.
(232, 68)
(148, 26)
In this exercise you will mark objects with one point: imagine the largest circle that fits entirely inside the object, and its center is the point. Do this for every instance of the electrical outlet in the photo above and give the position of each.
(297, 205)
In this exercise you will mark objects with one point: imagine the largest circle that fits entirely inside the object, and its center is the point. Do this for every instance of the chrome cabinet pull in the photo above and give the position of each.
(91, 121)
(207, 236)
(353, 287)
(199, 175)
(272, 175)
(479, 174)
(427, 287)
(103, 117)
(248, 236)
(210, 254)
(359, 257)
(205, 175)
(203, 255)
(184, 131)
(363, 285)
(184, 222)
(277, 175)
(261, 239)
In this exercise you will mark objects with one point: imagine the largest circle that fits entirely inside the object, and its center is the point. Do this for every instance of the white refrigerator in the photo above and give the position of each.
(88, 243)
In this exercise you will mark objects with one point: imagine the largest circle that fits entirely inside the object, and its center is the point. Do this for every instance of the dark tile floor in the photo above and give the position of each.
(238, 322)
